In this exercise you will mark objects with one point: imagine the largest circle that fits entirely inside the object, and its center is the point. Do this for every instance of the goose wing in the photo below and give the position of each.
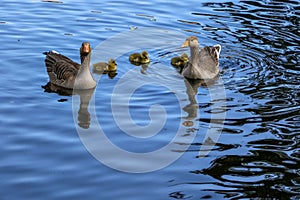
(209, 57)
(62, 71)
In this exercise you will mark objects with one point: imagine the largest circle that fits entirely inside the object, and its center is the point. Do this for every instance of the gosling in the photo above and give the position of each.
(180, 61)
(138, 58)
(103, 67)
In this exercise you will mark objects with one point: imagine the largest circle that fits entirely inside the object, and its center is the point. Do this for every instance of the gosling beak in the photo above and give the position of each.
(185, 44)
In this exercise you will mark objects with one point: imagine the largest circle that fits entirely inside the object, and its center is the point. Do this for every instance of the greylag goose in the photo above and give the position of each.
(103, 67)
(63, 71)
(180, 61)
(203, 63)
(138, 58)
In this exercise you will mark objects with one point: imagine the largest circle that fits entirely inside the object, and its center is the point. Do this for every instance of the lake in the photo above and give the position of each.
(146, 132)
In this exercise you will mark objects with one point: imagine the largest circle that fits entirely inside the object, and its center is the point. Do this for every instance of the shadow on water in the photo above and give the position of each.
(85, 97)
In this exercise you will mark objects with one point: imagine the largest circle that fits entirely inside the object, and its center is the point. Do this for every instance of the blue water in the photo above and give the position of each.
(257, 155)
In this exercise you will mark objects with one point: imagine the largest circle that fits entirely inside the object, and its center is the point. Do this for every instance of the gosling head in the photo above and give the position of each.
(145, 57)
(184, 57)
(191, 41)
(112, 65)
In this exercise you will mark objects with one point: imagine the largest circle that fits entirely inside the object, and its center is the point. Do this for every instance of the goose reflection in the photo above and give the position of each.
(84, 118)
(217, 114)
(192, 86)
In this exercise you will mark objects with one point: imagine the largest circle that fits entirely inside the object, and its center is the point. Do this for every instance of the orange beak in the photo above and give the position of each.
(86, 48)
(185, 44)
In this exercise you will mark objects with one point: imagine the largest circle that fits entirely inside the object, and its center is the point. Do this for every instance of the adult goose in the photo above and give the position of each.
(203, 63)
(63, 71)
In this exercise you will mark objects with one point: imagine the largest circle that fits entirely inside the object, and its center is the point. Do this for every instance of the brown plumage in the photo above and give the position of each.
(66, 73)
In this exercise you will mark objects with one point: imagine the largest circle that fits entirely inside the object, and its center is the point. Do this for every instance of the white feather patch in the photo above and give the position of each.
(53, 51)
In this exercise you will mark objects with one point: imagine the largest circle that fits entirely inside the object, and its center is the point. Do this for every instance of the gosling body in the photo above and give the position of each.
(103, 67)
(140, 58)
(180, 61)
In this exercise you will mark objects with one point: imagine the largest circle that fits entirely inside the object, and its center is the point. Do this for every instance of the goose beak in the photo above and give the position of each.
(86, 49)
(185, 44)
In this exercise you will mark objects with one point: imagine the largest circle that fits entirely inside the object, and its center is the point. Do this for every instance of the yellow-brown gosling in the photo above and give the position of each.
(180, 61)
(103, 67)
(138, 58)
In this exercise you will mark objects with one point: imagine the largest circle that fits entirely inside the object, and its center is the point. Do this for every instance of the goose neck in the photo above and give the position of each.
(85, 61)
(194, 54)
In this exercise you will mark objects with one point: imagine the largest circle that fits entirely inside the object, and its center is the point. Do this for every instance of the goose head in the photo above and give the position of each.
(85, 50)
(191, 41)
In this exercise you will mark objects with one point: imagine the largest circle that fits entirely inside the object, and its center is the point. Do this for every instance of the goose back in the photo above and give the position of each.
(206, 65)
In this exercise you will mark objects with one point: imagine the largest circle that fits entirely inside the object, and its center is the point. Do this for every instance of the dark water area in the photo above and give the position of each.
(256, 154)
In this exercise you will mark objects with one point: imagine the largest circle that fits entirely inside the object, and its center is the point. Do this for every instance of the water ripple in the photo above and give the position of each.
(257, 155)
(263, 177)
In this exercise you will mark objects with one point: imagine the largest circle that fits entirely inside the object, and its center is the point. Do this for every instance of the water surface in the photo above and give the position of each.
(257, 154)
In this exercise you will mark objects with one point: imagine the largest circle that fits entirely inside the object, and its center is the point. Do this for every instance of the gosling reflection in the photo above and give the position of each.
(144, 67)
(84, 119)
